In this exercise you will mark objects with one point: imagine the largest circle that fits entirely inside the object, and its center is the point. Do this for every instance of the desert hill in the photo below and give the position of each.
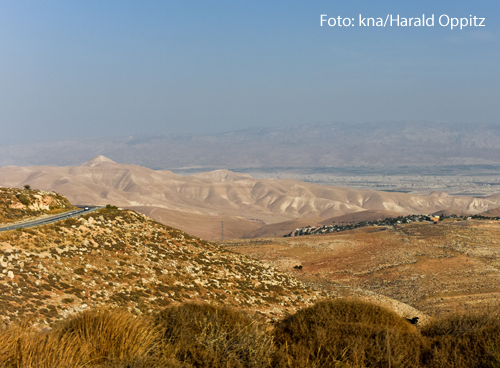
(280, 229)
(495, 212)
(199, 203)
(119, 258)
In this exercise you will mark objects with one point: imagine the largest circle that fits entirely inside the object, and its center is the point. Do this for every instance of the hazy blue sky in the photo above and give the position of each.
(72, 69)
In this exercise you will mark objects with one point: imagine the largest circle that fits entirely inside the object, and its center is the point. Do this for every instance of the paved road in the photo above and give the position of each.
(49, 219)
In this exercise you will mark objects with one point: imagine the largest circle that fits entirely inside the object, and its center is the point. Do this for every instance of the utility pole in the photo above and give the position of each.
(222, 232)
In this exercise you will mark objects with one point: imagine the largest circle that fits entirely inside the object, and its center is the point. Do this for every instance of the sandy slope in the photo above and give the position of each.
(198, 203)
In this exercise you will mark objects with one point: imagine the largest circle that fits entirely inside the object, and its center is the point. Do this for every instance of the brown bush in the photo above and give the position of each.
(347, 333)
(29, 347)
(202, 335)
(339, 333)
(469, 340)
(111, 336)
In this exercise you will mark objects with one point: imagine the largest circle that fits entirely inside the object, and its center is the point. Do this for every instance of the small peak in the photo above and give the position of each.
(98, 160)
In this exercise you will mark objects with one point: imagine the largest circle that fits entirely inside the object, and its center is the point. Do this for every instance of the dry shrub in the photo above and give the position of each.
(468, 340)
(202, 335)
(339, 333)
(460, 324)
(111, 336)
(346, 333)
(29, 347)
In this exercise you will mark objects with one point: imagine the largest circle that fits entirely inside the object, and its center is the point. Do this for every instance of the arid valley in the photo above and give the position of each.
(423, 257)
(435, 268)
(249, 184)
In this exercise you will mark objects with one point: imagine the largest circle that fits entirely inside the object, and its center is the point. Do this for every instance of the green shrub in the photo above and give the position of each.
(71, 222)
(24, 199)
(80, 271)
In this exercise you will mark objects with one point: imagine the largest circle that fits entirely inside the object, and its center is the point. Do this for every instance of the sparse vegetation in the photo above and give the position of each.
(125, 261)
(331, 333)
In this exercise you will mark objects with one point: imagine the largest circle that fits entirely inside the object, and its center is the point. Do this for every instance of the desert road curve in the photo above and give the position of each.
(50, 219)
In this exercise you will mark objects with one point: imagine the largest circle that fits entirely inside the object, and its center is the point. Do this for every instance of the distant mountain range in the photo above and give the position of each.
(311, 145)
(199, 203)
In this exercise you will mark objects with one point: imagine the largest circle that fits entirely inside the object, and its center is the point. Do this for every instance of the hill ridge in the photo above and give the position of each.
(198, 203)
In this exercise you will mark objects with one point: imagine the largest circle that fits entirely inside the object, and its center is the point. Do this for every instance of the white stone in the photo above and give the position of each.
(10, 275)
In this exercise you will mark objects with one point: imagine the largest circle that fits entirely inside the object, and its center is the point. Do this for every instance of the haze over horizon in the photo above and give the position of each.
(92, 70)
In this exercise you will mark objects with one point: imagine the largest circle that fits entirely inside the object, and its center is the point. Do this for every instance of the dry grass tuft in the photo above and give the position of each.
(91, 338)
(116, 336)
(29, 347)
(470, 340)
(461, 324)
(337, 333)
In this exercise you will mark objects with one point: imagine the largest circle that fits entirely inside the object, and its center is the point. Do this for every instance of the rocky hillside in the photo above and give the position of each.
(119, 258)
(20, 204)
